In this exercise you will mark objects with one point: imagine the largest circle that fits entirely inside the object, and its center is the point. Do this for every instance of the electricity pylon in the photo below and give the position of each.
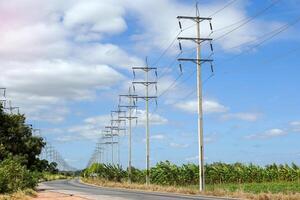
(109, 134)
(2, 101)
(130, 106)
(118, 121)
(12, 108)
(198, 61)
(146, 83)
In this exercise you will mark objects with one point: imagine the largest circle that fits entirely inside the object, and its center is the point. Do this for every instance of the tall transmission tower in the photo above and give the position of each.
(130, 107)
(3, 93)
(146, 83)
(12, 108)
(198, 61)
(109, 134)
(117, 122)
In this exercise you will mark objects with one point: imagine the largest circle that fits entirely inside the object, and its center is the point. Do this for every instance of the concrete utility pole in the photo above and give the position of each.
(146, 83)
(198, 61)
(130, 107)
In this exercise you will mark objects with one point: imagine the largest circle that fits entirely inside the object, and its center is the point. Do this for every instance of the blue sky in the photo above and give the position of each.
(65, 63)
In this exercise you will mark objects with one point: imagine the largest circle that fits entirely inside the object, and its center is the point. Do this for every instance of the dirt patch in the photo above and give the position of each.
(43, 195)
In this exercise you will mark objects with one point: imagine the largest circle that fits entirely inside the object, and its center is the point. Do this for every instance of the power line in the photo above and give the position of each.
(248, 20)
(274, 34)
(224, 7)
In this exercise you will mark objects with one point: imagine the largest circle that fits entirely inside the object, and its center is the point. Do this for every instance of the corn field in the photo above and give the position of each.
(166, 173)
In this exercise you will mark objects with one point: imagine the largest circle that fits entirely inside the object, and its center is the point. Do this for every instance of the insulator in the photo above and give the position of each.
(156, 73)
(211, 47)
(212, 68)
(180, 47)
(210, 25)
(133, 74)
(156, 88)
(4, 93)
(133, 88)
(180, 68)
(180, 24)
(156, 103)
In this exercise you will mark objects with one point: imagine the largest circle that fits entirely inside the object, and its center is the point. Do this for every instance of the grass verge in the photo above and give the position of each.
(20, 195)
(253, 191)
(51, 177)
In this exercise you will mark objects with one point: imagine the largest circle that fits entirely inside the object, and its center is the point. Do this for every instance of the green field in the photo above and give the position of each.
(272, 187)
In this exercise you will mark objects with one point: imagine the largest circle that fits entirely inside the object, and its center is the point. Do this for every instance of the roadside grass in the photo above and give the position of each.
(269, 187)
(19, 195)
(251, 191)
(51, 177)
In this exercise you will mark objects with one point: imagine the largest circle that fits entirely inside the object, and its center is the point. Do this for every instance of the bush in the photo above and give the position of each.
(14, 176)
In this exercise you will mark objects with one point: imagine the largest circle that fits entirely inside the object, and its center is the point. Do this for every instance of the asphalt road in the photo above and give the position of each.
(94, 193)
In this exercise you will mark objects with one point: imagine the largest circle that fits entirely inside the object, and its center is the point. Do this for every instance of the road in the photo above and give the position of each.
(74, 187)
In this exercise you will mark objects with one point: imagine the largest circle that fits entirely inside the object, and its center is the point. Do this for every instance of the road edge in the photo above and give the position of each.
(159, 192)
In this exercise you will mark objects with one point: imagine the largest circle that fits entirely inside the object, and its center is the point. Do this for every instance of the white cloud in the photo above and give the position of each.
(209, 106)
(160, 29)
(51, 52)
(271, 133)
(96, 16)
(154, 119)
(210, 139)
(193, 158)
(241, 116)
(98, 120)
(295, 126)
(90, 129)
(176, 145)
(67, 138)
(157, 137)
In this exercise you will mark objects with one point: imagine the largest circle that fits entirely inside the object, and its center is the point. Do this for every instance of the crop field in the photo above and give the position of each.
(236, 180)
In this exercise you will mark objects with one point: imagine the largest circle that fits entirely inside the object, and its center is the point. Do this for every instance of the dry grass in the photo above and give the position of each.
(193, 191)
(20, 195)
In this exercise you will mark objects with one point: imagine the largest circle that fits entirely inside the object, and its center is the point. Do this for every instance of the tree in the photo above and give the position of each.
(16, 139)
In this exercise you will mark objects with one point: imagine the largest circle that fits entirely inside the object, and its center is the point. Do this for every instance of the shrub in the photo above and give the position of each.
(14, 176)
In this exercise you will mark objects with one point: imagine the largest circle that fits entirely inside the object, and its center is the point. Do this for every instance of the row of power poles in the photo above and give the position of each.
(125, 111)
(121, 122)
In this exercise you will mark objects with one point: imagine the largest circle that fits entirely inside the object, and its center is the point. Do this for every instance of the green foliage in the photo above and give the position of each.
(166, 173)
(265, 187)
(20, 166)
(16, 139)
(108, 172)
(47, 176)
(14, 176)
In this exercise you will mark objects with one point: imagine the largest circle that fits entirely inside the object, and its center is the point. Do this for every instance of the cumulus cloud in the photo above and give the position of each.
(96, 16)
(90, 128)
(51, 52)
(161, 29)
(209, 106)
(271, 133)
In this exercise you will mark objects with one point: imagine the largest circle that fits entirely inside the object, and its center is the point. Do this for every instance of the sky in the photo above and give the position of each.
(64, 63)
